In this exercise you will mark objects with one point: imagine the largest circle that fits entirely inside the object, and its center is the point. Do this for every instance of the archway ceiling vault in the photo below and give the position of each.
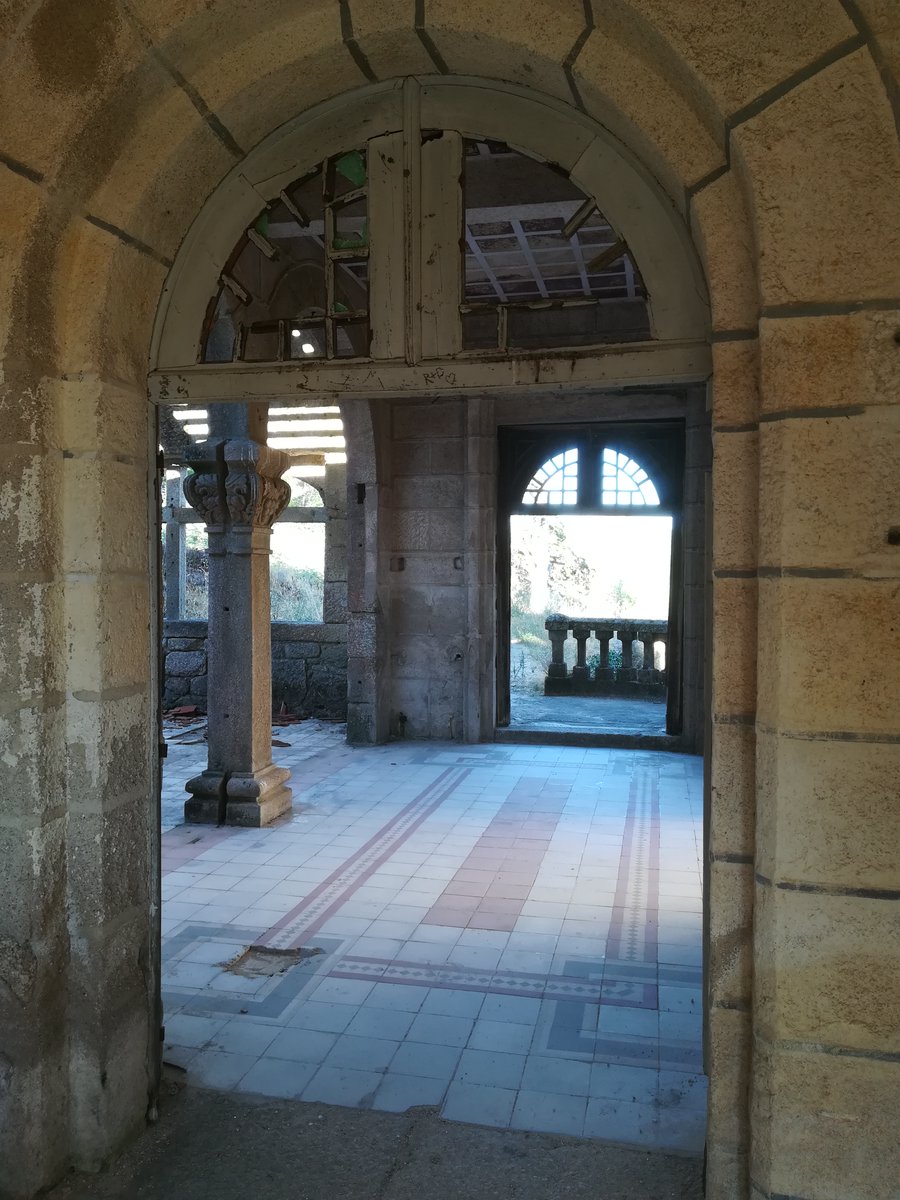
(130, 112)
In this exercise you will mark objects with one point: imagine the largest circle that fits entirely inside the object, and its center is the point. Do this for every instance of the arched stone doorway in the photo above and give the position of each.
(747, 150)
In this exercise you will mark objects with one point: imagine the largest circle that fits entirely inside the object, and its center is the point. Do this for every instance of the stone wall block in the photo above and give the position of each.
(729, 957)
(51, 96)
(535, 39)
(334, 607)
(29, 504)
(825, 966)
(824, 1126)
(107, 629)
(119, 883)
(827, 667)
(448, 456)
(846, 245)
(842, 825)
(190, 663)
(92, 263)
(729, 1042)
(735, 494)
(31, 618)
(102, 415)
(296, 649)
(414, 457)
(733, 787)
(735, 382)
(429, 421)
(105, 516)
(445, 531)
(829, 361)
(734, 646)
(410, 530)
(785, 38)
(386, 34)
(109, 1055)
(723, 229)
(645, 103)
(820, 507)
(108, 748)
(437, 491)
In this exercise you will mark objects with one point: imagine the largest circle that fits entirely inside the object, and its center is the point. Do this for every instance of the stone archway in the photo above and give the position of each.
(767, 157)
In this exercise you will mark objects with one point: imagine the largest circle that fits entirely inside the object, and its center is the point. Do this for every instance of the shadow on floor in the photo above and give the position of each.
(214, 1146)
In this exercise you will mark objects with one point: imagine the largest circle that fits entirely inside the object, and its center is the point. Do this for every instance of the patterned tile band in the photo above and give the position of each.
(311, 913)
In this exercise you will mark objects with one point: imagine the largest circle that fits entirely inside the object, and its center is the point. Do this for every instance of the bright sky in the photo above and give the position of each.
(634, 549)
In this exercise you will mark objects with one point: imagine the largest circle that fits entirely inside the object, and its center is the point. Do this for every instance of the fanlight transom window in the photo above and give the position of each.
(556, 482)
(624, 482)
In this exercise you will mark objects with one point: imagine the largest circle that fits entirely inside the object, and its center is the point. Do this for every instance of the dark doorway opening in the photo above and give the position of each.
(591, 581)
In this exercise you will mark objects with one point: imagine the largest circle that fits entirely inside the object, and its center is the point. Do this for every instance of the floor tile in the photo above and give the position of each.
(397, 996)
(558, 1075)
(477, 1105)
(399, 1093)
(424, 1059)
(620, 1121)
(440, 1030)
(362, 1053)
(501, 1036)
(301, 1045)
(219, 1069)
(345, 1086)
(491, 1067)
(547, 1112)
(277, 1077)
(637, 1085)
(392, 1024)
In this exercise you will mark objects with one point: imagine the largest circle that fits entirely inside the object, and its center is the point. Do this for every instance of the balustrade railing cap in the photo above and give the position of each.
(557, 621)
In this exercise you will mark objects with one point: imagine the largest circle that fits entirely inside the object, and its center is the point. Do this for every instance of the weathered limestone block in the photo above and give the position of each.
(729, 956)
(525, 43)
(642, 100)
(733, 786)
(826, 966)
(734, 647)
(817, 668)
(829, 361)
(820, 509)
(723, 230)
(735, 382)
(735, 494)
(784, 39)
(824, 1125)
(388, 39)
(846, 245)
(842, 824)
(729, 1041)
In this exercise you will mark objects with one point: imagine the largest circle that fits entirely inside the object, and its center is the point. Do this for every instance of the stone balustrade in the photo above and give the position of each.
(636, 676)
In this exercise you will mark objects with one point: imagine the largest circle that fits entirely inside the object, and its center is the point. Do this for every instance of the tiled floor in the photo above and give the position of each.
(511, 933)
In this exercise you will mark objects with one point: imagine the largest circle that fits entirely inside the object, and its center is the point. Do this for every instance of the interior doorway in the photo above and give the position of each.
(590, 588)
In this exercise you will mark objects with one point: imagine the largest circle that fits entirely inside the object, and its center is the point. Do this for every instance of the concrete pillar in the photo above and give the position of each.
(237, 489)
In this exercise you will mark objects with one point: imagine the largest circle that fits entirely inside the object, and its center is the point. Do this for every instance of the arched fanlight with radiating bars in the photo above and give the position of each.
(556, 482)
(625, 483)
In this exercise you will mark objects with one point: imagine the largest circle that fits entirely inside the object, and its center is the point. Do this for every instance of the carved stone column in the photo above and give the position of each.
(237, 489)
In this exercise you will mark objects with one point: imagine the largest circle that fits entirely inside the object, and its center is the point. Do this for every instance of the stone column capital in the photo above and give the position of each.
(236, 482)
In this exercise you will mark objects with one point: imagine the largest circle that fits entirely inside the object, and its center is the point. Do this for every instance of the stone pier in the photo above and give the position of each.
(236, 487)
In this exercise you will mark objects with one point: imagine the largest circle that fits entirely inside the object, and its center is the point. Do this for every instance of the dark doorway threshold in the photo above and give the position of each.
(536, 736)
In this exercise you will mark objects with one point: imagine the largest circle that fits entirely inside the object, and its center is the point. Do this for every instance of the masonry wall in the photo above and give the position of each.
(309, 668)
(772, 129)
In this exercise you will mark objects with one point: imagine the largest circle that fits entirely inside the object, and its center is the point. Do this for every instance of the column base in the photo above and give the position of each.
(252, 799)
